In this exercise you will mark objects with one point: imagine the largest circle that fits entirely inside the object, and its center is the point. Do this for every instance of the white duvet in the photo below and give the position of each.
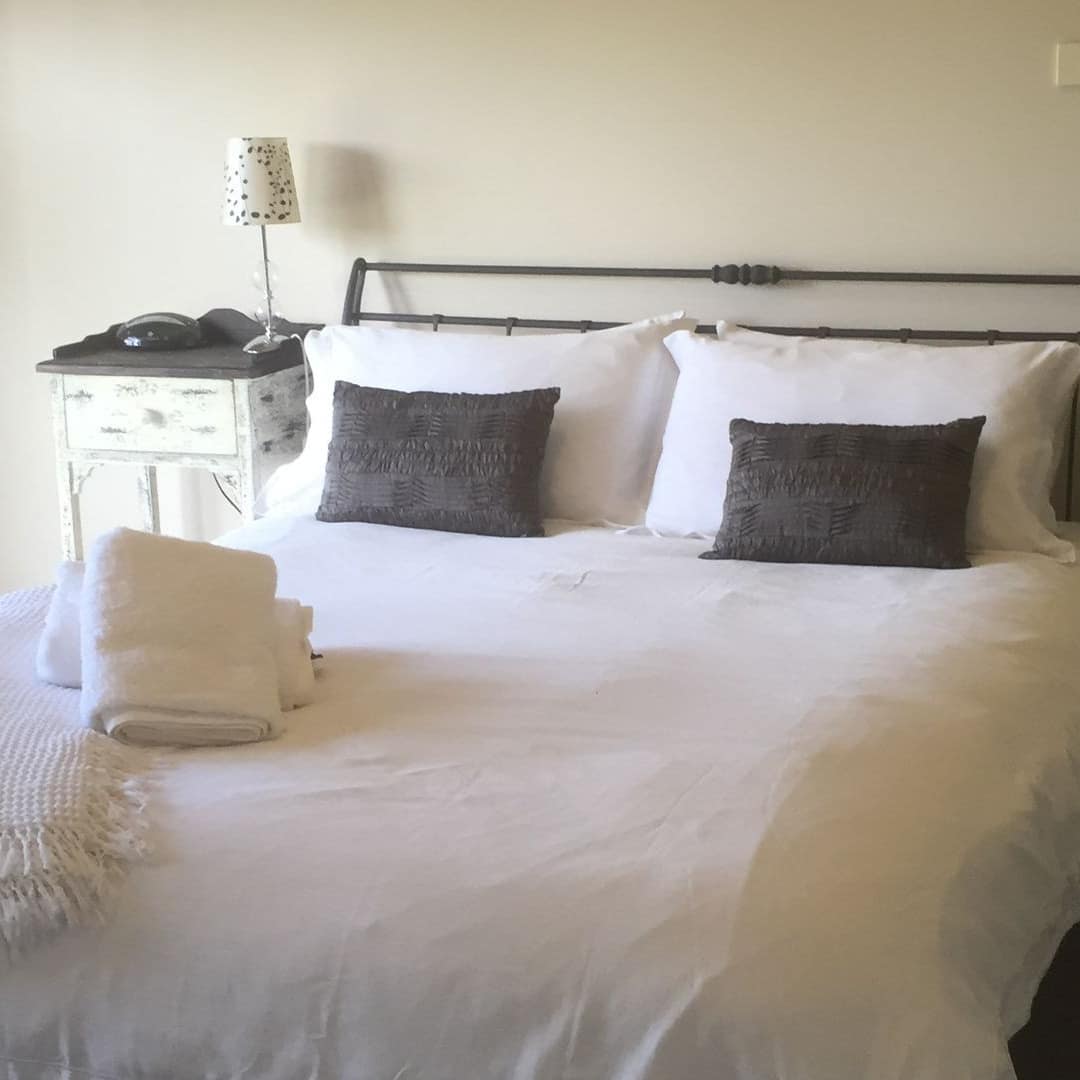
(587, 807)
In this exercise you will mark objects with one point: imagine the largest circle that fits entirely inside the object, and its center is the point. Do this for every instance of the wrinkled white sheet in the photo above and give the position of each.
(587, 807)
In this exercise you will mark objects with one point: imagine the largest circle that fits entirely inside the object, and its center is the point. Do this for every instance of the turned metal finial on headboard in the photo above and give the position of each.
(745, 274)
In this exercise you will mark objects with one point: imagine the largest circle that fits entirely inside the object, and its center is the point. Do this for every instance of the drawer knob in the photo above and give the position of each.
(154, 417)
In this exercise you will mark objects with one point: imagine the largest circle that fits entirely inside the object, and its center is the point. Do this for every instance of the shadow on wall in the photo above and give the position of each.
(344, 194)
(344, 202)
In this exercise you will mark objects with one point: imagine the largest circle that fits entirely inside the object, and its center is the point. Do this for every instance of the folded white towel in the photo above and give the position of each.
(178, 641)
(59, 654)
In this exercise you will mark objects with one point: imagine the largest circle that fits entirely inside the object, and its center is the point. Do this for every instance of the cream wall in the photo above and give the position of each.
(866, 133)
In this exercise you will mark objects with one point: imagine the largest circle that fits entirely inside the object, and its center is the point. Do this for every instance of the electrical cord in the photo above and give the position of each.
(307, 377)
(224, 494)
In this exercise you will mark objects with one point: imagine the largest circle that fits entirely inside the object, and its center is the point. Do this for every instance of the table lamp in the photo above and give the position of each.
(259, 190)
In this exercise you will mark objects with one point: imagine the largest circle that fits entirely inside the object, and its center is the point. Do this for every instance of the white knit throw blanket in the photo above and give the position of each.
(71, 800)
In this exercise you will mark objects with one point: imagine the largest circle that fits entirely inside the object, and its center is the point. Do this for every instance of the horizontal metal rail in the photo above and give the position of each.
(583, 325)
(726, 273)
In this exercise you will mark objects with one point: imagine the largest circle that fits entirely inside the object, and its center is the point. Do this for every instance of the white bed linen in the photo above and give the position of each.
(588, 807)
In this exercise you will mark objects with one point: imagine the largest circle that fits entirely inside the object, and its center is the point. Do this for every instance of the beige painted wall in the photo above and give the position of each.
(915, 134)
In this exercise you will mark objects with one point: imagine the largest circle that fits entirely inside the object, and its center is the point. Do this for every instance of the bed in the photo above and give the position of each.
(586, 806)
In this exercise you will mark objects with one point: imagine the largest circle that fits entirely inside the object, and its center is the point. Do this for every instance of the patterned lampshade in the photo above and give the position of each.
(259, 188)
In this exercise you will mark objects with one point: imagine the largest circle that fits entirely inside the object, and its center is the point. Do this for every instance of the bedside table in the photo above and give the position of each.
(234, 414)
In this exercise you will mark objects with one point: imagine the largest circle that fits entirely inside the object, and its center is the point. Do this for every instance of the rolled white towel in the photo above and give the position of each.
(178, 641)
(59, 656)
(58, 659)
(296, 673)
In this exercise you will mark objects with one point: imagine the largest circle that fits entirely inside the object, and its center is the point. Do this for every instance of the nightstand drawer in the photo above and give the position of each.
(152, 415)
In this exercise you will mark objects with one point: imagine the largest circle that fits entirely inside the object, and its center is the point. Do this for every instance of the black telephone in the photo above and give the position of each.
(160, 330)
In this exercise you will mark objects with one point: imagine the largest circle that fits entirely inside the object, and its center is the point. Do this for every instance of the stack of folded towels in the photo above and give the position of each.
(177, 643)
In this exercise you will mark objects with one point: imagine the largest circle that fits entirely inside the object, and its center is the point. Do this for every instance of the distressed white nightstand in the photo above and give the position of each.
(217, 408)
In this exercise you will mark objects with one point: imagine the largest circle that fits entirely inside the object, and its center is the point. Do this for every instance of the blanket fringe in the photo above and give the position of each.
(61, 873)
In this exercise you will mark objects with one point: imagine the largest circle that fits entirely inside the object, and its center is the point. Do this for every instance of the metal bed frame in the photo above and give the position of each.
(742, 274)
(729, 274)
(747, 274)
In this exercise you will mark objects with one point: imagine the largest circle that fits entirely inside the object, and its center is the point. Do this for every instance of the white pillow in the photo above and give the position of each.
(1023, 390)
(605, 439)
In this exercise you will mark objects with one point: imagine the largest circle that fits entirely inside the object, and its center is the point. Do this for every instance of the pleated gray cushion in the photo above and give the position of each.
(455, 462)
(866, 494)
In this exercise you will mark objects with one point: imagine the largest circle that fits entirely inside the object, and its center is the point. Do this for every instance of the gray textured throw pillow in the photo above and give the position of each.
(849, 493)
(456, 462)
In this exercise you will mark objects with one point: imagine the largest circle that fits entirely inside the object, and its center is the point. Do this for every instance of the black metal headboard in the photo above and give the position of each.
(746, 274)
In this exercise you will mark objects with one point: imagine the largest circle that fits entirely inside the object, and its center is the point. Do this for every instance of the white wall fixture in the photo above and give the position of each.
(1068, 63)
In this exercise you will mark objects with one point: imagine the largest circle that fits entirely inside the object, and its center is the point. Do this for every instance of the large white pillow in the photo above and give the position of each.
(1024, 391)
(605, 439)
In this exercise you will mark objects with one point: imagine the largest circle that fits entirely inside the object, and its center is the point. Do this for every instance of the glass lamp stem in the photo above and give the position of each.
(269, 339)
(266, 280)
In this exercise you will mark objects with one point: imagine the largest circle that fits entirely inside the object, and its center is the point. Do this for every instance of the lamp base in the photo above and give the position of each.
(266, 342)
